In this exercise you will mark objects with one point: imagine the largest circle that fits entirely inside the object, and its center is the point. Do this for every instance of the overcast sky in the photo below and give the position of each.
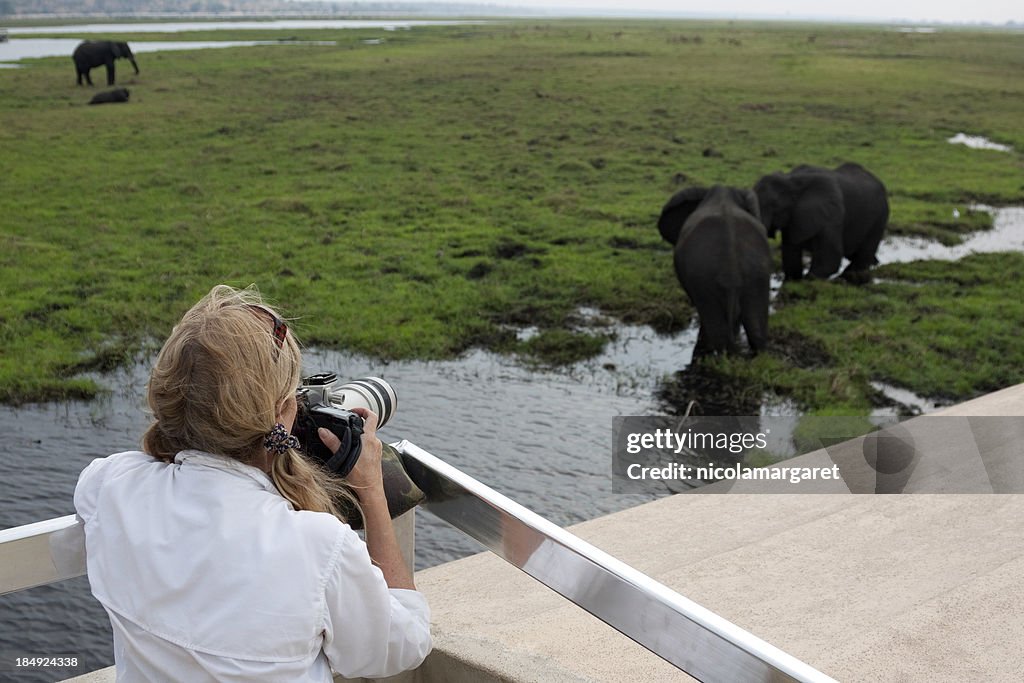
(991, 11)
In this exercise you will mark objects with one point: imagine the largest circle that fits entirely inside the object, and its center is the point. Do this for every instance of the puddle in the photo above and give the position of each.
(1006, 234)
(905, 402)
(978, 142)
(636, 358)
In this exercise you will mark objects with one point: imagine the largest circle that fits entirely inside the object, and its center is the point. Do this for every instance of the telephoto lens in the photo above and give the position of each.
(367, 392)
(323, 403)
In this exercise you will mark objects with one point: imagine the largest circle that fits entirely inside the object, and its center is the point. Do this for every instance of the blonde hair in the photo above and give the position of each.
(216, 387)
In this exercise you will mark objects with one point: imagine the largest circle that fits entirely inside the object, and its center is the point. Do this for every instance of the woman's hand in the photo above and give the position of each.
(366, 478)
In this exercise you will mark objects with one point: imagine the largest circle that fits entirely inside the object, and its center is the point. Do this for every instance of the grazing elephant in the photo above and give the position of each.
(108, 96)
(723, 261)
(831, 213)
(94, 53)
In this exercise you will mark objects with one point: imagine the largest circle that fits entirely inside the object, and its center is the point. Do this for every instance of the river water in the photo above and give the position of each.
(34, 48)
(277, 24)
(21, 47)
(541, 438)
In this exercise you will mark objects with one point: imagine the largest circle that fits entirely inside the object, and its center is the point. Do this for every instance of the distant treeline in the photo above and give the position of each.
(136, 8)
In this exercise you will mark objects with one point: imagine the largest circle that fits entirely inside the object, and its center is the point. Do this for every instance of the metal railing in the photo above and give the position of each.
(692, 638)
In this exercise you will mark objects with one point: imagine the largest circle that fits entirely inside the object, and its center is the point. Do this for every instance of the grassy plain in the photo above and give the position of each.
(428, 194)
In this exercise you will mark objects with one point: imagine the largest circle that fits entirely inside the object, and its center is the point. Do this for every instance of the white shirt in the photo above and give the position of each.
(209, 574)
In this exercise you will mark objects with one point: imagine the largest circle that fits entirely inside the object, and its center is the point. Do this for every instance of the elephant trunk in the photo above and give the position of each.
(132, 60)
(768, 221)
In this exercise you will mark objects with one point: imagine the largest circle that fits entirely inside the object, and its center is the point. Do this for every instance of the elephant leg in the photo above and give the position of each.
(826, 257)
(110, 73)
(716, 328)
(866, 254)
(713, 338)
(700, 348)
(864, 257)
(754, 314)
(792, 261)
(855, 276)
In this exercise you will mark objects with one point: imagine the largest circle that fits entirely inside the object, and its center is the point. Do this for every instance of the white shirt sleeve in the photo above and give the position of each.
(370, 630)
(91, 479)
(87, 489)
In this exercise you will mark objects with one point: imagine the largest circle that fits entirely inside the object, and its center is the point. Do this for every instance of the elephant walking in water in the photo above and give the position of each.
(830, 212)
(94, 53)
(723, 261)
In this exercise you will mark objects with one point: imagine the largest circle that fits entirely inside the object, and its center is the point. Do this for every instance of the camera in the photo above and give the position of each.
(324, 403)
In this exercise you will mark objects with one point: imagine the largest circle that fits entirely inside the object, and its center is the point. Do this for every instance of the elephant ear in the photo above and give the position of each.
(677, 210)
(774, 195)
(747, 200)
(817, 209)
(119, 49)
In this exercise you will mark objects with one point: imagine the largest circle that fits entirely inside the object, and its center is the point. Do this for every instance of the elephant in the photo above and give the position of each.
(723, 260)
(94, 53)
(830, 212)
(108, 96)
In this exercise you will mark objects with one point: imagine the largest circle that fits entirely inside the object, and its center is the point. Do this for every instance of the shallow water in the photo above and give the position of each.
(255, 24)
(34, 48)
(1006, 234)
(978, 142)
(28, 48)
(911, 402)
(542, 438)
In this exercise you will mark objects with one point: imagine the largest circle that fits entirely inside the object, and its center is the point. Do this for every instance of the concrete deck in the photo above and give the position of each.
(862, 587)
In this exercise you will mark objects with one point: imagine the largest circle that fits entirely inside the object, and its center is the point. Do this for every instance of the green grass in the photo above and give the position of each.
(420, 197)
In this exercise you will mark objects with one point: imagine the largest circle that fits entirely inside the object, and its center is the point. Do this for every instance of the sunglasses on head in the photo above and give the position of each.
(280, 327)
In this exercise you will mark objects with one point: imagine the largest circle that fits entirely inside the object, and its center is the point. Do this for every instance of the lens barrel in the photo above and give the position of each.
(367, 392)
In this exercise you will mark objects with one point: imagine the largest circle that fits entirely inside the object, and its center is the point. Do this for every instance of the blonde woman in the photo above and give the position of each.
(218, 552)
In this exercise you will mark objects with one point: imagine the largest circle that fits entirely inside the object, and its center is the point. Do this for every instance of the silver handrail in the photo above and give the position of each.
(694, 639)
(690, 637)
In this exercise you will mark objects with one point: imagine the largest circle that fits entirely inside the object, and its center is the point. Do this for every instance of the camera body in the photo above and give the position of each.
(322, 402)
